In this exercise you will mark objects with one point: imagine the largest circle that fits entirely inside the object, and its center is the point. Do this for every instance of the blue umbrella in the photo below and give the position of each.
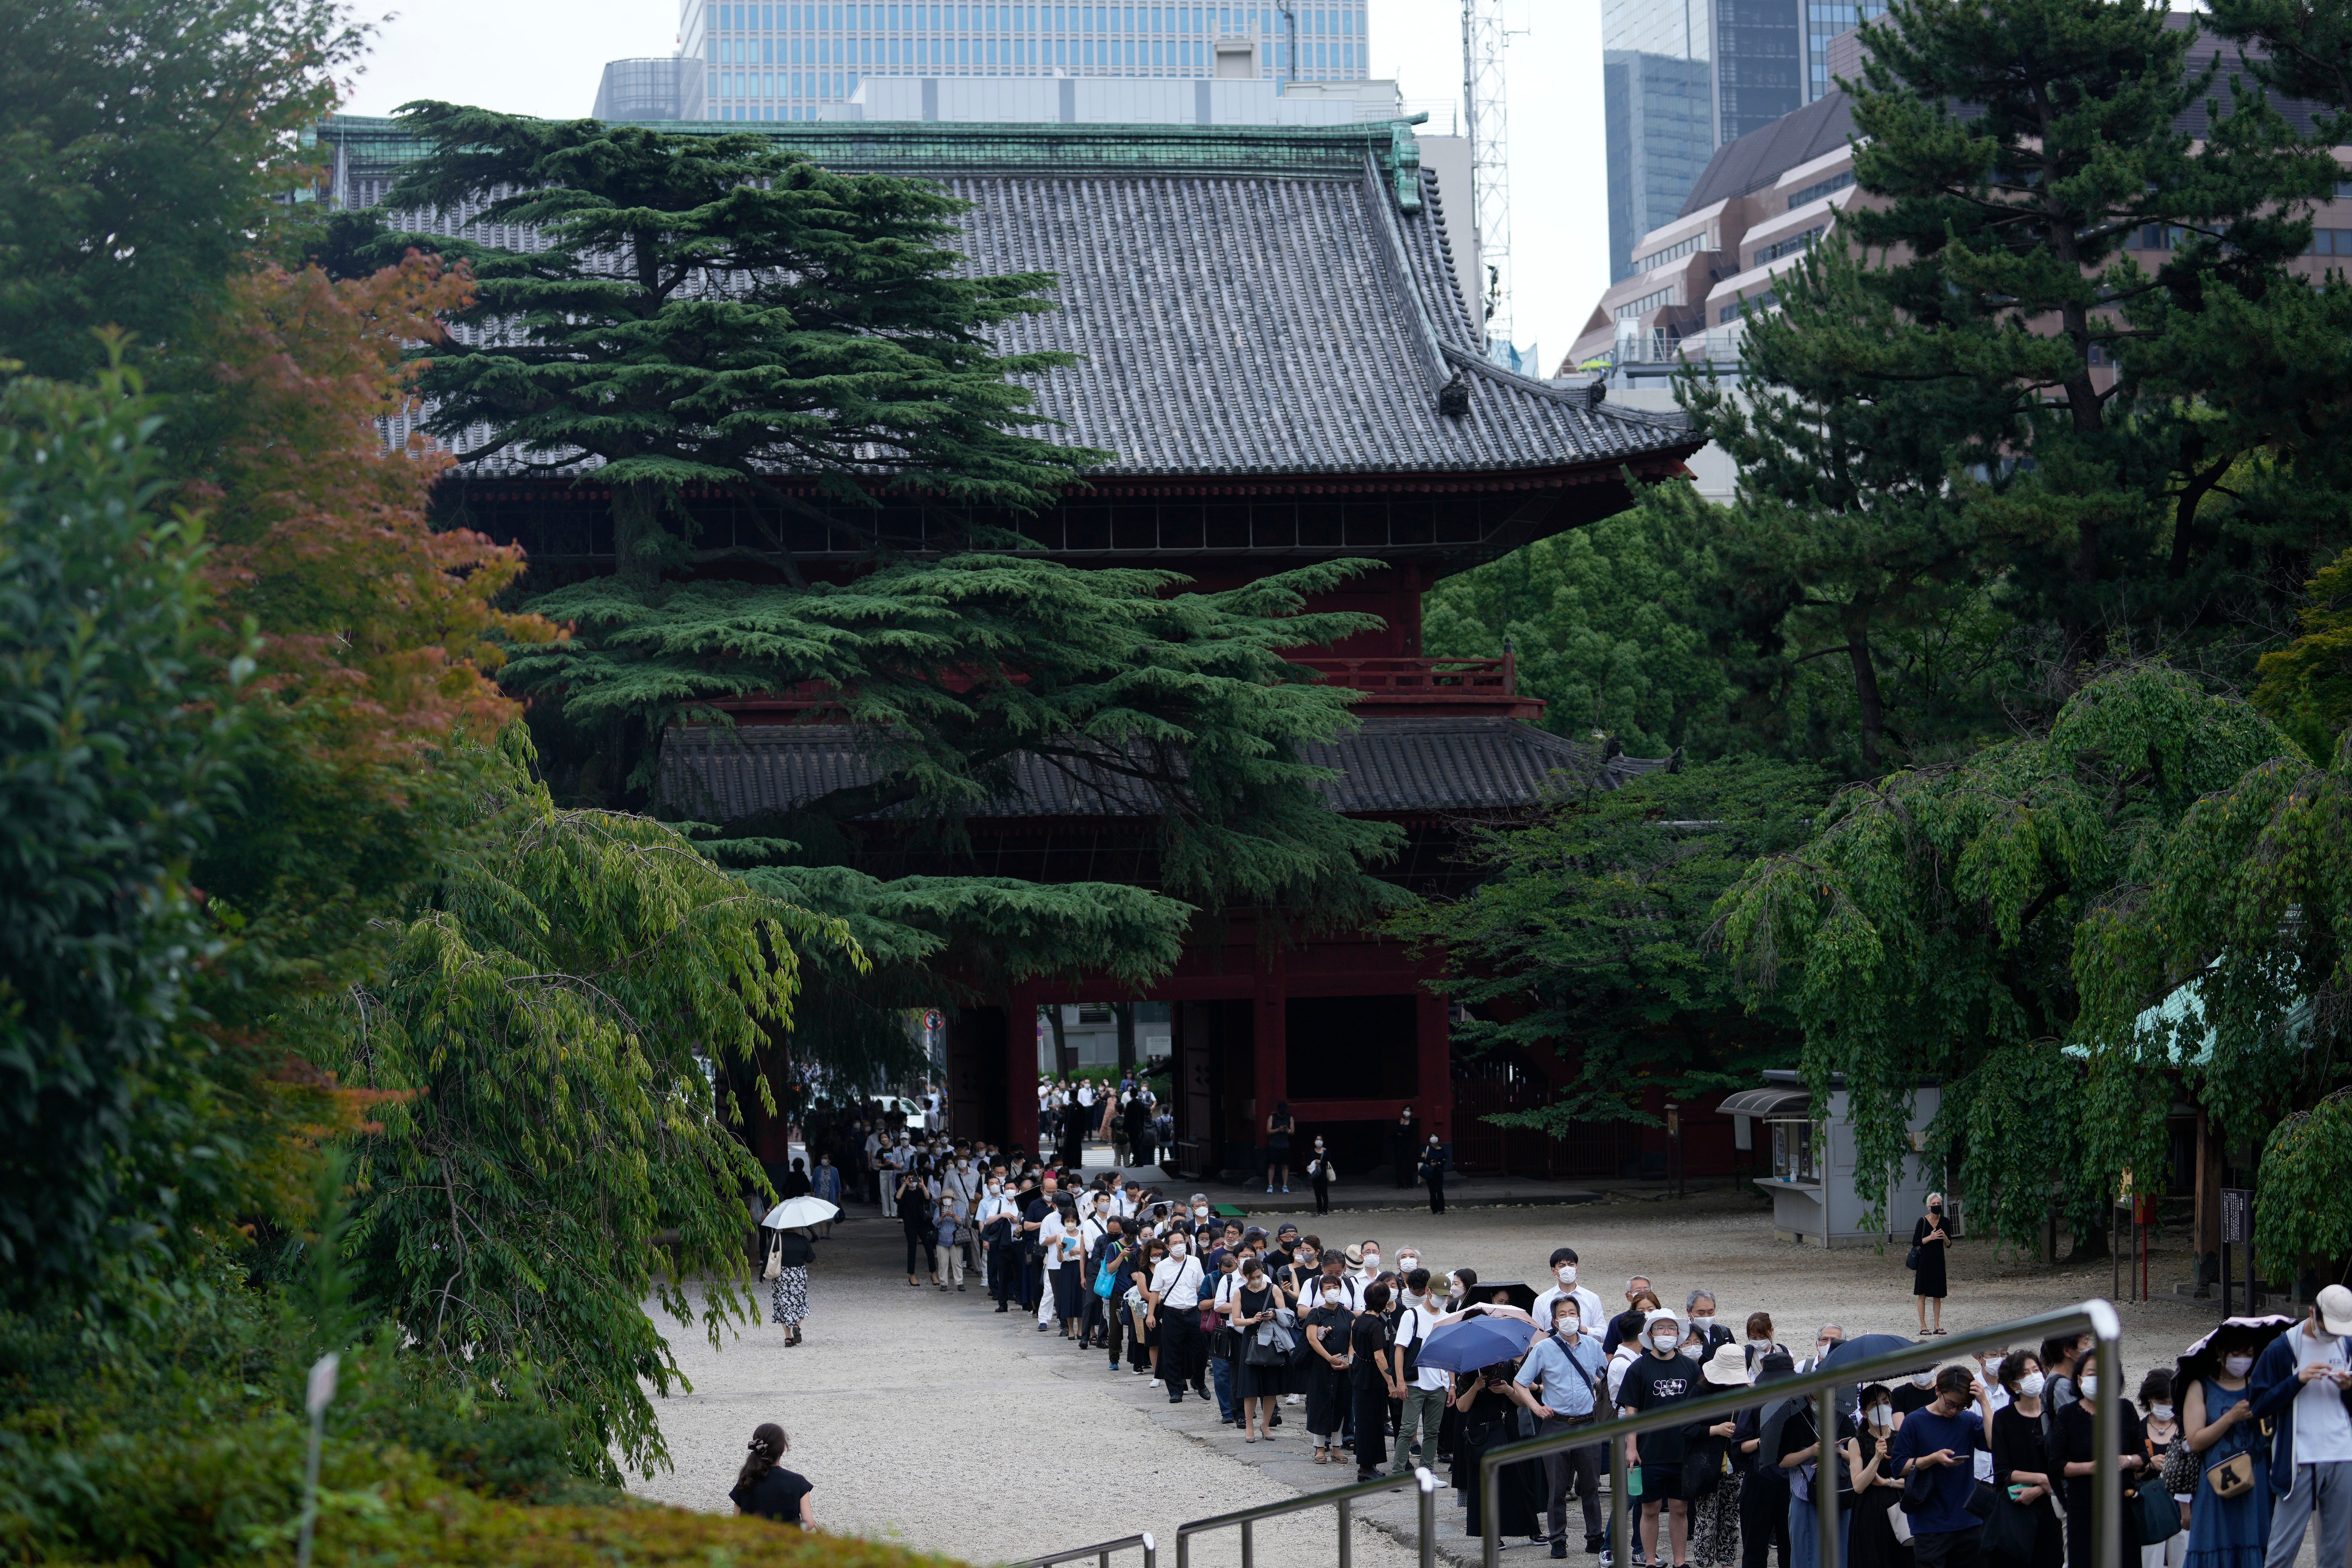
(1477, 1341)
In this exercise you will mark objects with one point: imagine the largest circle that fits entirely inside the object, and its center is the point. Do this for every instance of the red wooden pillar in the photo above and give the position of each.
(1433, 1106)
(1269, 1048)
(1021, 1071)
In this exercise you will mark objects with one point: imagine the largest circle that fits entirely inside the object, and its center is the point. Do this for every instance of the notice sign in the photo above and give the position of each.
(2237, 1216)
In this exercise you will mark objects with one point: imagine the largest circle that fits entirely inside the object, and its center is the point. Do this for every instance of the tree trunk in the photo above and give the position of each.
(1063, 1064)
(641, 547)
(1125, 1013)
(1867, 700)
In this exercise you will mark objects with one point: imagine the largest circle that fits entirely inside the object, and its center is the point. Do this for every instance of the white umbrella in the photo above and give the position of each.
(793, 1213)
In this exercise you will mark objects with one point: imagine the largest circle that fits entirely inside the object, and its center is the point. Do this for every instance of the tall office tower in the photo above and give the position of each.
(1824, 20)
(1679, 78)
(789, 61)
(648, 89)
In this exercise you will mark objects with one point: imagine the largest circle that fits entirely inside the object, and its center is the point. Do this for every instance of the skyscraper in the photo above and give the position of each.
(1824, 20)
(1679, 78)
(788, 61)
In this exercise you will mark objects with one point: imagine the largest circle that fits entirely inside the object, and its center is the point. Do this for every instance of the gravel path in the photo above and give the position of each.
(923, 1417)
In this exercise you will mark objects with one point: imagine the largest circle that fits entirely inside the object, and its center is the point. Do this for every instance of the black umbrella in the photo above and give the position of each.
(1862, 1349)
(2203, 1359)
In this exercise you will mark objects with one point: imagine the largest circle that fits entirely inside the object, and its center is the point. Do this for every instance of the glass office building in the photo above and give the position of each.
(789, 61)
(1679, 78)
(1824, 20)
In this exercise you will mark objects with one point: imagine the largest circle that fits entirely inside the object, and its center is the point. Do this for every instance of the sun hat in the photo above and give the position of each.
(1728, 1367)
(1660, 1315)
(1355, 1257)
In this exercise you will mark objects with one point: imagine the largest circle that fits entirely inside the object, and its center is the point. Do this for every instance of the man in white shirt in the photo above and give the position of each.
(1424, 1405)
(1175, 1317)
(1364, 1263)
(990, 1207)
(1050, 1231)
(2307, 1370)
(1588, 1304)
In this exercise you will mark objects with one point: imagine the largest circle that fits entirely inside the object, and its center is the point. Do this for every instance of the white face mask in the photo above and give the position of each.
(2030, 1385)
(1407, 1263)
(1881, 1414)
(1175, 1250)
(1201, 1211)
(1569, 1327)
(1567, 1273)
(2161, 1412)
(1923, 1379)
(1666, 1338)
(2238, 1365)
(1701, 1321)
(1332, 1298)
(2091, 1386)
(1760, 1344)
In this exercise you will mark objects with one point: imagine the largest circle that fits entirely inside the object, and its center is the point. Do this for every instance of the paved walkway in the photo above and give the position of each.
(927, 1419)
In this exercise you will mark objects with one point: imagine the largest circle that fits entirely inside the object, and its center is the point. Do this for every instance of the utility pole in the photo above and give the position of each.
(1485, 113)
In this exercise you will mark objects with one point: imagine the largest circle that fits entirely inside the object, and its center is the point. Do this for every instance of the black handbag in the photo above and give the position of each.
(1911, 1259)
(2011, 1530)
(1262, 1352)
(2159, 1516)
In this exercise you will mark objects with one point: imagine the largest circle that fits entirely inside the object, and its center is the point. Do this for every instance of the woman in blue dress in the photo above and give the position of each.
(2225, 1532)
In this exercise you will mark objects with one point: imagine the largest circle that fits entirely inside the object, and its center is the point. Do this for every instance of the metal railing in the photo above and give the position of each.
(1340, 1498)
(1100, 1552)
(2096, 1316)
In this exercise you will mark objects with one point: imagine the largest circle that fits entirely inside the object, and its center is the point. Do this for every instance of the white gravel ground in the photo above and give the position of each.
(927, 1418)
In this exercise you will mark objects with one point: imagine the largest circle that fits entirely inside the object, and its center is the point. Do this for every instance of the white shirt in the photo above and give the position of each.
(1412, 1326)
(990, 1207)
(1997, 1397)
(1177, 1282)
(2322, 1433)
(1122, 1203)
(1050, 1231)
(1087, 1095)
(1627, 1354)
(1588, 1309)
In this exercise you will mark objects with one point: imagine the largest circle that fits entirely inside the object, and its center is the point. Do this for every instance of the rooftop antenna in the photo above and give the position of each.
(1483, 42)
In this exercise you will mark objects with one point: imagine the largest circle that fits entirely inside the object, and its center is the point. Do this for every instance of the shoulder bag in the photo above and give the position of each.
(2159, 1516)
(2232, 1477)
(2009, 1532)
(775, 1267)
(2178, 1476)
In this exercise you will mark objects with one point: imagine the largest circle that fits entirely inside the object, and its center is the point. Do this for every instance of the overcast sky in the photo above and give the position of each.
(542, 57)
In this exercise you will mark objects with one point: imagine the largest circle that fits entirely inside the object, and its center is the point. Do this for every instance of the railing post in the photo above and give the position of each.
(1346, 1546)
(1426, 1484)
(1490, 1493)
(1150, 1551)
(1183, 1549)
(2106, 1432)
(1249, 1555)
(1825, 1490)
(1621, 1527)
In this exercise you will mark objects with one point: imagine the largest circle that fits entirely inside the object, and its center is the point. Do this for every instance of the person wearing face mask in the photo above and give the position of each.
(824, 1182)
(1916, 1393)
(2073, 1440)
(2059, 1358)
(1560, 1380)
(1565, 1294)
(1174, 1299)
(1928, 1241)
(1640, 1301)
(2303, 1382)
(1405, 1146)
(1431, 1171)
(2217, 1420)
(1318, 1175)
(1876, 1488)
(1764, 1488)
(1706, 1336)
(1662, 1377)
(1829, 1336)
(1364, 1262)
(2024, 1532)
(1327, 1330)
(1422, 1411)
(1760, 1342)
(1936, 1446)
(2160, 1424)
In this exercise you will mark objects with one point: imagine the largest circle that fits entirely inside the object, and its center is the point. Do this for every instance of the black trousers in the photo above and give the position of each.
(1182, 1351)
(1763, 1517)
(1371, 1426)
(1004, 1274)
(1437, 1194)
(1322, 1194)
(918, 1254)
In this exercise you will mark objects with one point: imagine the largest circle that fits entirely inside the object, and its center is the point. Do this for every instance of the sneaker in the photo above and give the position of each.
(1560, 1547)
(1269, 1189)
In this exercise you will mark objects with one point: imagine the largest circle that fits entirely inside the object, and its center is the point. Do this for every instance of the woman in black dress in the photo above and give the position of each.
(1928, 1281)
(2021, 1467)
(1257, 1384)
(913, 1200)
(765, 1487)
(1487, 1403)
(1278, 1128)
(1876, 1488)
(2070, 1437)
(1327, 1328)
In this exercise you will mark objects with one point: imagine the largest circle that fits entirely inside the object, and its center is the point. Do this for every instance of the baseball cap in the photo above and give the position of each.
(2334, 1306)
